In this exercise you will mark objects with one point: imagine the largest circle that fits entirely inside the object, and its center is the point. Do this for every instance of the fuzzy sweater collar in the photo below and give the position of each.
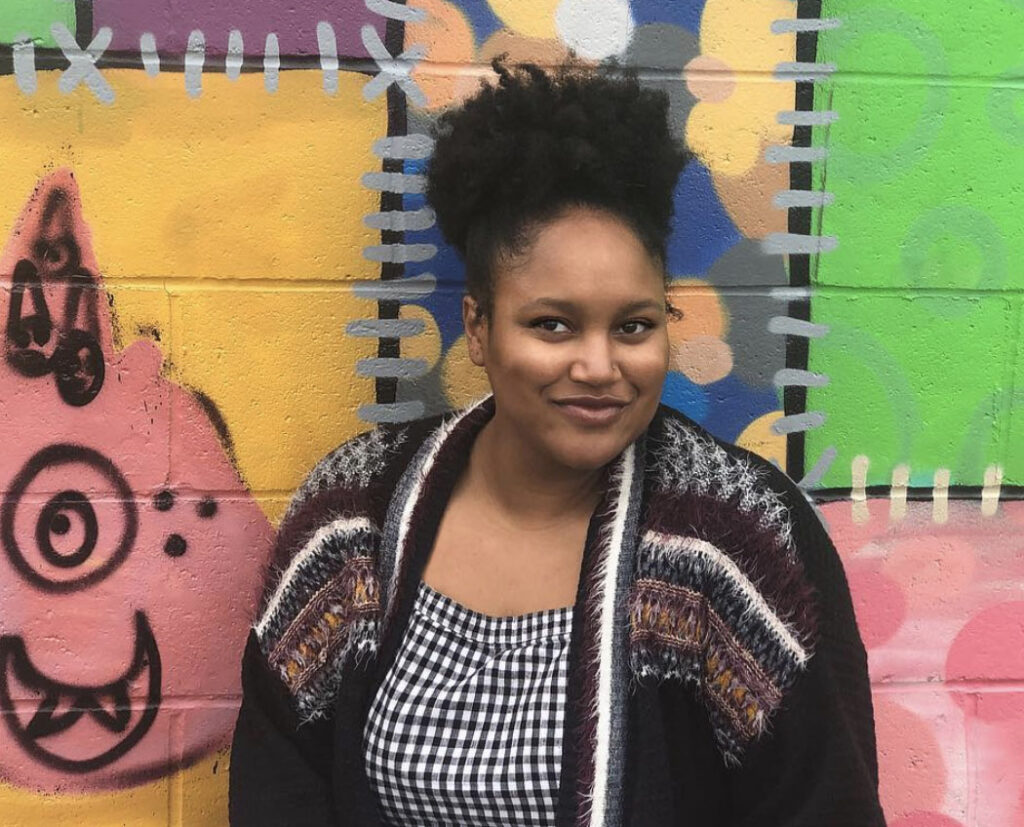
(689, 574)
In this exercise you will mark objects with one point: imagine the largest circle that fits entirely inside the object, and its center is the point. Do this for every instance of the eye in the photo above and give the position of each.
(550, 325)
(69, 518)
(635, 327)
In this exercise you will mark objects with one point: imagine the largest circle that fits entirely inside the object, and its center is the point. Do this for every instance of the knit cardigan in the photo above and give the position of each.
(717, 678)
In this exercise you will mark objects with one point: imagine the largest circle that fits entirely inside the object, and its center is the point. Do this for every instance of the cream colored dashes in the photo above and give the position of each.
(898, 493)
(940, 496)
(899, 489)
(990, 490)
(858, 491)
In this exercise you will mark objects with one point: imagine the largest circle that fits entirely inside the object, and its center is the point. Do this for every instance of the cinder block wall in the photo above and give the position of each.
(216, 265)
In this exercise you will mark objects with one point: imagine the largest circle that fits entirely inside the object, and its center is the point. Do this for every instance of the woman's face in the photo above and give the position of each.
(576, 346)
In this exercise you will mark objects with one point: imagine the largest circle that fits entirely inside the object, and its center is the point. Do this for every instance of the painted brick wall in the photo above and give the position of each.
(216, 265)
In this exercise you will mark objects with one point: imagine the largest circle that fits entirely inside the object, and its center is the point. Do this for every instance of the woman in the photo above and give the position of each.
(565, 605)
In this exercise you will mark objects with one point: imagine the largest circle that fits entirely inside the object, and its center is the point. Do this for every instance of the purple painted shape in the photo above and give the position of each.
(293, 21)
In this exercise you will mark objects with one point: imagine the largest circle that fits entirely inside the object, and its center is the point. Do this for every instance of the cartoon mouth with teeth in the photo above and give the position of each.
(62, 705)
(131, 554)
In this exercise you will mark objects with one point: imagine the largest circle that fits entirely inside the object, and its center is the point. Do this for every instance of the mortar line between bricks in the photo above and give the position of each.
(972, 687)
(915, 494)
(171, 704)
(973, 788)
(174, 60)
(176, 285)
(181, 494)
(770, 76)
(168, 359)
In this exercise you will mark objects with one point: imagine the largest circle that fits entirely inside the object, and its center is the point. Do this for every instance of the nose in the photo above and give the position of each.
(595, 362)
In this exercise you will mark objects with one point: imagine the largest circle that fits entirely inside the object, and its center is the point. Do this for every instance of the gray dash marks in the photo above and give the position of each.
(327, 43)
(391, 411)
(195, 57)
(148, 53)
(798, 422)
(24, 55)
(271, 63)
(236, 55)
(385, 328)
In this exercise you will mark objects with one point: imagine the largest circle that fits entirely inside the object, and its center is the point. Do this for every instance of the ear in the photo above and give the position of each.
(475, 324)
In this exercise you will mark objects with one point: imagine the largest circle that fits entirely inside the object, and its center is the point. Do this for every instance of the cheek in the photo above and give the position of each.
(528, 363)
(648, 366)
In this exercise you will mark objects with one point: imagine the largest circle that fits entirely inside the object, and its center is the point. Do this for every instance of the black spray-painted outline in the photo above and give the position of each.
(68, 500)
(64, 363)
(64, 453)
(14, 658)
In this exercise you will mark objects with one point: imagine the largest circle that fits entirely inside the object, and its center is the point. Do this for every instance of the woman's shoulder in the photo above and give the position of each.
(719, 557)
(687, 461)
(673, 432)
(322, 600)
(355, 479)
(752, 501)
(367, 458)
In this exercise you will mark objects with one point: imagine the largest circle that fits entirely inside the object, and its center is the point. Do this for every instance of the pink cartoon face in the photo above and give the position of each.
(131, 555)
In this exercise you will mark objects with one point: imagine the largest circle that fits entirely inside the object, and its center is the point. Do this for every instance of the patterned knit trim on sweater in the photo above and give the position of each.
(694, 617)
(688, 461)
(719, 599)
(354, 464)
(325, 608)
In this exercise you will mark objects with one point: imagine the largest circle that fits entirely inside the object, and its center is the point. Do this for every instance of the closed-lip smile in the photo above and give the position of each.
(591, 410)
(592, 401)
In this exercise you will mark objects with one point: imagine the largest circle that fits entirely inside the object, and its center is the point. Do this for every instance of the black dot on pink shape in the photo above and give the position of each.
(175, 546)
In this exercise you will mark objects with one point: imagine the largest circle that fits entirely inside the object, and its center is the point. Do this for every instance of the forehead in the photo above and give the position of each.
(589, 257)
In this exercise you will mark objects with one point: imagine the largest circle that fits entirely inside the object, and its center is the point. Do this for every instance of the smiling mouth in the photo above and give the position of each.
(591, 411)
(49, 735)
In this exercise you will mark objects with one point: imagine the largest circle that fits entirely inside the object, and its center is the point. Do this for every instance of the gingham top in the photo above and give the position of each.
(466, 727)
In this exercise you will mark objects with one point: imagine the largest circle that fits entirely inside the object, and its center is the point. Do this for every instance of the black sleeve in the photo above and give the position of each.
(280, 771)
(817, 764)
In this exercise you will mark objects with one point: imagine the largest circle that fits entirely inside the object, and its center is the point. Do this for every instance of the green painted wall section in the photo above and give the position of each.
(34, 18)
(923, 292)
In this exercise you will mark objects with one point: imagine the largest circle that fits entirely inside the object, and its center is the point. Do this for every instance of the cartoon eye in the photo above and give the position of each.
(58, 253)
(82, 533)
(67, 530)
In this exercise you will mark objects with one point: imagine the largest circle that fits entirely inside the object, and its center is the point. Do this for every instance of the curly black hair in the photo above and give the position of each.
(517, 154)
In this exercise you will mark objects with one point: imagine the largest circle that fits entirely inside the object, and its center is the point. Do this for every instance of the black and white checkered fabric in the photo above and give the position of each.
(466, 728)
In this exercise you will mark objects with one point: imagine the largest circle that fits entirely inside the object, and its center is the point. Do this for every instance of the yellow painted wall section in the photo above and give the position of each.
(227, 226)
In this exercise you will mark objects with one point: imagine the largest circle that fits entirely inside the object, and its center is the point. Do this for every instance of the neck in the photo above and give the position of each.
(531, 491)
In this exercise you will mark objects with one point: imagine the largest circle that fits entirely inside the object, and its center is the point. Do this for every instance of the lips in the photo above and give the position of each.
(63, 709)
(591, 410)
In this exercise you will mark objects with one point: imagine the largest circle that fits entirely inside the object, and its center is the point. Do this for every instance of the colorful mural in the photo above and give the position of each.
(921, 295)
(939, 594)
(913, 323)
(723, 371)
(219, 265)
(121, 554)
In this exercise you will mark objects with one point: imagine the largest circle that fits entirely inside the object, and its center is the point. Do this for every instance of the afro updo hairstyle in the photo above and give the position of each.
(518, 154)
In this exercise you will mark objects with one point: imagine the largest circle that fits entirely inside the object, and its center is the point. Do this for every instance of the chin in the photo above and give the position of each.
(588, 453)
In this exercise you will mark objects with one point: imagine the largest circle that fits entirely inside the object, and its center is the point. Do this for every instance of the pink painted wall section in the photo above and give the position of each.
(125, 598)
(941, 609)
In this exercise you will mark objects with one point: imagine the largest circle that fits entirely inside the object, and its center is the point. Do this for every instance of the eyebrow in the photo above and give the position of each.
(568, 307)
